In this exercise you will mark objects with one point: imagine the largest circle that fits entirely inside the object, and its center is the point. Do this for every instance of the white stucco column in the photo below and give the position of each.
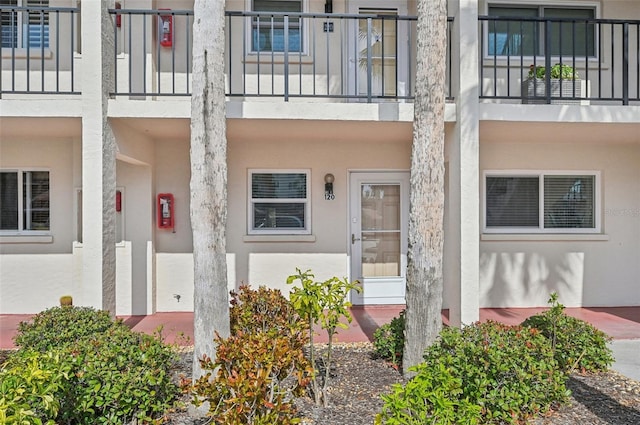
(98, 159)
(464, 188)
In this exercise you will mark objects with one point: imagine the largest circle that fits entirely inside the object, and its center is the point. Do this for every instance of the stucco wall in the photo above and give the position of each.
(603, 270)
(175, 281)
(32, 283)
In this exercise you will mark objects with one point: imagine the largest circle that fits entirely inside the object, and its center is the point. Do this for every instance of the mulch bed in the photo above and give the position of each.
(598, 399)
(358, 380)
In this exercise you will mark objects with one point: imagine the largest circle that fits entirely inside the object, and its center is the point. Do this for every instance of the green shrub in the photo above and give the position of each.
(112, 375)
(260, 367)
(255, 377)
(29, 384)
(265, 310)
(576, 343)
(118, 377)
(59, 327)
(388, 340)
(509, 372)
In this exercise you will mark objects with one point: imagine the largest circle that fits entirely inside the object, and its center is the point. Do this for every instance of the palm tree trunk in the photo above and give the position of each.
(208, 179)
(426, 211)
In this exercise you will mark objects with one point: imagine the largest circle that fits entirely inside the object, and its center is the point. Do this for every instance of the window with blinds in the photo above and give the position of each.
(279, 202)
(268, 32)
(24, 28)
(526, 38)
(544, 202)
(24, 200)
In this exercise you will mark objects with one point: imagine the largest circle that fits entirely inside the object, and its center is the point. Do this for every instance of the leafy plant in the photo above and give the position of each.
(388, 340)
(29, 383)
(112, 375)
(576, 343)
(59, 327)
(429, 398)
(557, 71)
(252, 380)
(484, 373)
(325, 303)
(260, 367)
(265, 310)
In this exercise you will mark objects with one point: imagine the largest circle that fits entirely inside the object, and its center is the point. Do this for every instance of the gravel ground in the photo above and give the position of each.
(598, 399)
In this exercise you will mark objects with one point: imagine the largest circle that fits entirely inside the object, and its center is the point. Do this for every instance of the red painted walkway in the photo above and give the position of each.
(618, 322)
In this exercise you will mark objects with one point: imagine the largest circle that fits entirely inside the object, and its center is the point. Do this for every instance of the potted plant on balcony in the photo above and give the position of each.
(564, 83)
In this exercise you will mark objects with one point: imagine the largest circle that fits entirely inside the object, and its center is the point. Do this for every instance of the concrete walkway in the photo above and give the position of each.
(621, 323)
(627, 355)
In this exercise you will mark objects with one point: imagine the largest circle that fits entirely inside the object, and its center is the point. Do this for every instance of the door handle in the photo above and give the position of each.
(354, 239)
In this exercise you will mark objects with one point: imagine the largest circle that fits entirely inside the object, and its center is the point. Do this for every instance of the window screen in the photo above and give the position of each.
(25, 28)
(268, 32)
(512, 202)
(527, 38)
(541, 202)
(569, 202)
(24, 200)
(8, 201)
(279, 201)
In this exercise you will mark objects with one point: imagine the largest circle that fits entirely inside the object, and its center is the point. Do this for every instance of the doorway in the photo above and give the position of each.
(379, 212)
(379, 44)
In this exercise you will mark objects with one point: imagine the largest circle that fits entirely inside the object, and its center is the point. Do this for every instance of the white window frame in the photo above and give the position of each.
(250, 201)
(21, 207)
(304, 34)
(532, 3)
(22, 39)
(541, 174)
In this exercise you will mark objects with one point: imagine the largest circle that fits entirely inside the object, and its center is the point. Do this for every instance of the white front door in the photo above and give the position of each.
(378, 48)
(379, 211)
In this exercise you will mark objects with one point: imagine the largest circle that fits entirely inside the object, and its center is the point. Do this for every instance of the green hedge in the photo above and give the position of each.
(484, 373)
(110, 374)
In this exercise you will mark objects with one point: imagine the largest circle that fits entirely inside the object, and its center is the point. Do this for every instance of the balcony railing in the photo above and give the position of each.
(324, 57)
(604, 52)
(38, 50)
(363, 58)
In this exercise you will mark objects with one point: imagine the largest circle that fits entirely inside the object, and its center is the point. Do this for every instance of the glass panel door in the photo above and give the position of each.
(379, 213)
(377, 37)
(380, 220)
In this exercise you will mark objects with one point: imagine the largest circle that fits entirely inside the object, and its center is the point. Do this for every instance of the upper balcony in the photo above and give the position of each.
(322, 57)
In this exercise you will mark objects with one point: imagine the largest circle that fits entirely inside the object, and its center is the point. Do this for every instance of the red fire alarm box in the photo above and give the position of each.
(118, 16)
(165, 29)
(165, 211)
(118, 201)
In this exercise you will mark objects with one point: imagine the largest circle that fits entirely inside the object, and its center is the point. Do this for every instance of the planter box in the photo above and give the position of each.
(534, 91)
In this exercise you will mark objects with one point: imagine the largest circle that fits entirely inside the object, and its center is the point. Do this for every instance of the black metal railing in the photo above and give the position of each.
(38, 49)
(152, 54)
(280, 55)
(603, 53)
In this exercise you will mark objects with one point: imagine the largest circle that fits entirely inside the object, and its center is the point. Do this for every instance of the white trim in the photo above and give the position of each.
(544, 237)
(307, 202)
(597, 216)
(30, 238)
(279, 238)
